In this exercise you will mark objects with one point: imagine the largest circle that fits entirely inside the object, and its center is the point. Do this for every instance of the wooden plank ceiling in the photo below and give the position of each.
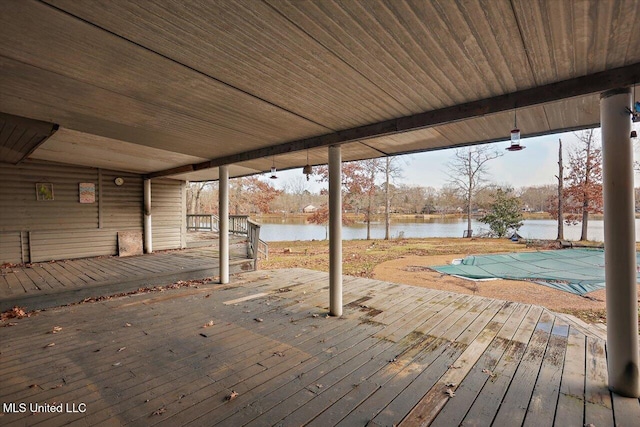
(150, 86)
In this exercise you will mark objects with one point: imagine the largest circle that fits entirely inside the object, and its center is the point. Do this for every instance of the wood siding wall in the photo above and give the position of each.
(167, 214)
(63, 228)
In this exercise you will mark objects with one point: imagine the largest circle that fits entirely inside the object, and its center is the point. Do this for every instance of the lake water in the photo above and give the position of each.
(296, 229)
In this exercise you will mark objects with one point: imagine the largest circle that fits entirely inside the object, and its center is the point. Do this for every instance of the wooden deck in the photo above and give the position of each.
(46, 284)
(391, 359)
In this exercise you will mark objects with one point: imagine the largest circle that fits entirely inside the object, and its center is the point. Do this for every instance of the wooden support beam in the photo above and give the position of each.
(580, 86)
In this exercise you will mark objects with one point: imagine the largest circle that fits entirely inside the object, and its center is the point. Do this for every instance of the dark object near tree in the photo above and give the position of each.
(505, 214)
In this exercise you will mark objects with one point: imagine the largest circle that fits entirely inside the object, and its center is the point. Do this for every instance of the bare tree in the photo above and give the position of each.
(560, 178)
(194, 193)
(391, 170)
(297, 186)
(468, 173)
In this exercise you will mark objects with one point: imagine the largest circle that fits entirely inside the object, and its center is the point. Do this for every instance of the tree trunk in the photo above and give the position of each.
(369, 217)
(469, 195)
(585, 200)
(387, 202)
(560, 191)
(585, 221)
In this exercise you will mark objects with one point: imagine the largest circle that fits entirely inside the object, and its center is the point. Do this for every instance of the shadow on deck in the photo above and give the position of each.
(51, 284)
(263, 352)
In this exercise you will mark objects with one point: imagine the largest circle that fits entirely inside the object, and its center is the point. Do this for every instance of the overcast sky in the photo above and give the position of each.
(535, 165)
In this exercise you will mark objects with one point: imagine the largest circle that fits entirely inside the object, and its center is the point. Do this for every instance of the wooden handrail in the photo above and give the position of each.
(202, 222)
(238, 224)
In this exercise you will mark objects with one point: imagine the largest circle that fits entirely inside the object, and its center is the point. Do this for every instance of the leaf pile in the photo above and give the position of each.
(14, 313)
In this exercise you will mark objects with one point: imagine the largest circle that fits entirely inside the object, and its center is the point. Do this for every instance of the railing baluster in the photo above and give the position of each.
(238, 224)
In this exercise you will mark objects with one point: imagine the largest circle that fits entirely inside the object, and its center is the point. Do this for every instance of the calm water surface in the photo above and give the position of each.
(296, 229)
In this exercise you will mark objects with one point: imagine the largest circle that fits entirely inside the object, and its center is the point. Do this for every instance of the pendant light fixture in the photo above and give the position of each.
(307, 169)
(273, 169)
(515, 134)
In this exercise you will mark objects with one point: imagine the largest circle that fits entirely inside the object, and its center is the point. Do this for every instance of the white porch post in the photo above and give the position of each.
(223, 211)
(620, 243)
(335, 231)
(148, 242)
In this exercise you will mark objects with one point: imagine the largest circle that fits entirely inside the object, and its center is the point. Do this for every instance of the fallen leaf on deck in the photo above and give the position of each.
(117, 364)
(207, 295)
(159, 411)
(279, 354)
(35, 386)
(15, 312)
(257, 319)
(233, 395)
(486, 371)
(50, 345)
(315, 315)
(56, 386)
(127, 325)
(121, 349)
(56, 329)
(208, 324)
(450, 393)
(450, 385)
(454, 367)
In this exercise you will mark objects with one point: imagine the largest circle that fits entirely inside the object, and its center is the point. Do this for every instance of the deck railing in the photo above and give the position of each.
(238, 224)
(202, 222)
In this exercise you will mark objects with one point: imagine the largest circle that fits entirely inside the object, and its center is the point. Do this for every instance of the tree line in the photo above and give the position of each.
(373, 188)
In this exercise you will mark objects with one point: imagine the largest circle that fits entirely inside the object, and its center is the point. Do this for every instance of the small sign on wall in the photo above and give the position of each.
(44, 191)
(87, 192)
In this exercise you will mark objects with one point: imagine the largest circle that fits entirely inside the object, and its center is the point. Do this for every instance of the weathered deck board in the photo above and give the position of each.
(388, 360)
(491, 396)
(543, 403)
(468, 389)
(54, 283)
(598, 408)
(425, 411)
(570, 410)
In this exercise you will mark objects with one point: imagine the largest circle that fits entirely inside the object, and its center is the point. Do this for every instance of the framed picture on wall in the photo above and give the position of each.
(44, 191)
(87, 192)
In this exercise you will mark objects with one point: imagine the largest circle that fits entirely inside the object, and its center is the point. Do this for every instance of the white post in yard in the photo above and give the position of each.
(223, 211)
(148, 243)
(335, 231)
(620, 243)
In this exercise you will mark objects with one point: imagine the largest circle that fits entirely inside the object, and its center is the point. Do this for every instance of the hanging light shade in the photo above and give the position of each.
(515, 135)
(307, 169)
(273, 170)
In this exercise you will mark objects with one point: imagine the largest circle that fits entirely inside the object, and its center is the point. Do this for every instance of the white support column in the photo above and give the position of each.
(223, 211)
(148, 243)
(620, 243)
(335, 231)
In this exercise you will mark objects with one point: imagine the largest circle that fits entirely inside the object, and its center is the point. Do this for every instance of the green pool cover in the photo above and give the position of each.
(578, 271)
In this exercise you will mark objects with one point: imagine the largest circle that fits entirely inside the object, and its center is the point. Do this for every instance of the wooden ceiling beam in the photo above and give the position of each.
(585, 85)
